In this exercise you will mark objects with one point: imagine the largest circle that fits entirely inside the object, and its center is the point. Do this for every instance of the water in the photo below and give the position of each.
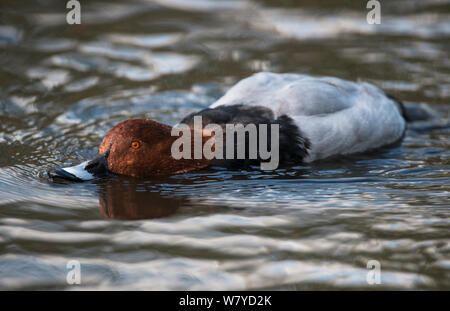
(304, 227)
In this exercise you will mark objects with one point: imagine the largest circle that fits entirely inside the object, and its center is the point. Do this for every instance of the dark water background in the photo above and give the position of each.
(306, 227)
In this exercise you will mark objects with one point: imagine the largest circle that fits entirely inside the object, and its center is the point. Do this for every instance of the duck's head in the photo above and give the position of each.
(138, 148)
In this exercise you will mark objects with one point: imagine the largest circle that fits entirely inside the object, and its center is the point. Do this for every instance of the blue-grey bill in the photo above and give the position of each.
(75, 173)
(88, 170)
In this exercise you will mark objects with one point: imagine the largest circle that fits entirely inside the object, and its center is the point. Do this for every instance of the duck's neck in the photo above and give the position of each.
(182, 152)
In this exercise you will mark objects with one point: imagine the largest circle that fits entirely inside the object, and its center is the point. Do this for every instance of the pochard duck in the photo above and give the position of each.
(318, 118)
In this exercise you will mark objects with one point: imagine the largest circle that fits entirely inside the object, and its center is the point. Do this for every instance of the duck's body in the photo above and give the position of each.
(318, 118)
(337, 117)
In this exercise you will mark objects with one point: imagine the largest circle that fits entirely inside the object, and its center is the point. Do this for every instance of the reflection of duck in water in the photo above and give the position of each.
(126, 200)
(317, 118)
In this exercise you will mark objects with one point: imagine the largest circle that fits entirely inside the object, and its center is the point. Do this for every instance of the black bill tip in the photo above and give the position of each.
(61, 174)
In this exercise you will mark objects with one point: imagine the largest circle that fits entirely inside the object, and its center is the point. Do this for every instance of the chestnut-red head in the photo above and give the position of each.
(139, 148)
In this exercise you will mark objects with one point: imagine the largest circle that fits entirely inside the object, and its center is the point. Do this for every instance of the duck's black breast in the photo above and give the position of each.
(293, 146)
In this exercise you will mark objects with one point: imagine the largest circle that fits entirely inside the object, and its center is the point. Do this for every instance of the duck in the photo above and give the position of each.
(316, 117)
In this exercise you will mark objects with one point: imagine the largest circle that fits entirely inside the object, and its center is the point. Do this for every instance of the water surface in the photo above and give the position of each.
(300, 227)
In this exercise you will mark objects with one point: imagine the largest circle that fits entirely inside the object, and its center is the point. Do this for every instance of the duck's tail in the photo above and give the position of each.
(415, 112)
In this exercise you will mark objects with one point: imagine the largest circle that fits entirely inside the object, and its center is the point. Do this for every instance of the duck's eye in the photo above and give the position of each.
(135, 145)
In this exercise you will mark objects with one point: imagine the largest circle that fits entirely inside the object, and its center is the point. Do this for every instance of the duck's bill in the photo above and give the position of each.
(95, 168)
